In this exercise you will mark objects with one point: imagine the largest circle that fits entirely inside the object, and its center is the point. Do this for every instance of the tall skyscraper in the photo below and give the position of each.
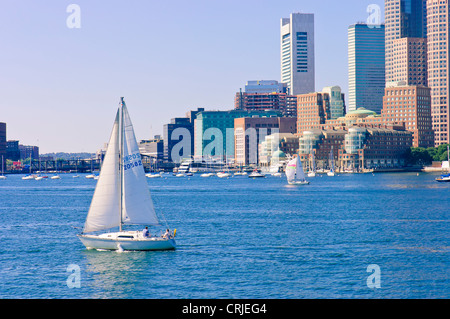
(297, 53)
(438, 68)
(403, 19)
(366, 67)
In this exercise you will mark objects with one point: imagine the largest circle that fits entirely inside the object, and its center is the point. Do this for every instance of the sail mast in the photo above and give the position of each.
(121, 164)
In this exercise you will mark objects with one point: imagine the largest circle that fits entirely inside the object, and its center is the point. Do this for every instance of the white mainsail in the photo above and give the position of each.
(121, 195)
(291, 169)
(294, 170)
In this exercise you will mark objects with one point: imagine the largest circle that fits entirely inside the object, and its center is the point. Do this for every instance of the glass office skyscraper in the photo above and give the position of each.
(366, 67)
(297, 53)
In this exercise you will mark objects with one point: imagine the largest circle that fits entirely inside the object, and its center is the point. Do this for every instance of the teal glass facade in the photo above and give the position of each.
(366, 67)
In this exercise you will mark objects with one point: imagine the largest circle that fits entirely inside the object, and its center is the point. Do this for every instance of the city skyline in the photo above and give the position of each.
(61, 85)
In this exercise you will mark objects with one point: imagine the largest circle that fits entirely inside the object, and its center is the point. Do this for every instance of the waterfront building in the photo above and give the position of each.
(321, 143)
(403, 19)
(249, 132)
(358, 147)
(214, 132)
(12, 150)
(366, 66)
(3, 144)
(153, 148)
(297, 53)
(180, 132)
(316, 108)
(403, 105)
(438, 68)
(29, 151)
(410, 104)
(285, 142)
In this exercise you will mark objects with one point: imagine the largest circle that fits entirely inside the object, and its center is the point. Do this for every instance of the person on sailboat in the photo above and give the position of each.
(146, 232)
(167, 234)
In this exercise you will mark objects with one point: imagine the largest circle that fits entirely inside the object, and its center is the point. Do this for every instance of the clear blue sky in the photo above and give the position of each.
(60, 87)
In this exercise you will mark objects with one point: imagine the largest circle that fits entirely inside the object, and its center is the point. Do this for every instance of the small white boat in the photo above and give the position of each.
(206, 174)
(90, 176)
(55, 177)
(122, 196)
(29, 177)
(39, 178)
(278, 174)
(149, 175)
(331, 172)
(180, 175)
(223, 174)
(294, 172)
(256, 174)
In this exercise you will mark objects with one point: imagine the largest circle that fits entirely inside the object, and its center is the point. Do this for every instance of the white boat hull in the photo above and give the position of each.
(299, 183)
(126, 241)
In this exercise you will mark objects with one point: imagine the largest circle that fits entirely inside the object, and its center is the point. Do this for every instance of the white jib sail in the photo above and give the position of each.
(137, 203)
(104, 209)
(291, 169)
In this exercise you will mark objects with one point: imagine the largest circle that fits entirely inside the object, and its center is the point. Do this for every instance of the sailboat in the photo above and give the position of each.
(122, 196)
(331, 172)
(294, 172)
(2, 176)
(56, 168)
(312, 171)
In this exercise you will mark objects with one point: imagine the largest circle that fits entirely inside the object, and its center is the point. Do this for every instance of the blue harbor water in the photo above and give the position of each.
(237, 238)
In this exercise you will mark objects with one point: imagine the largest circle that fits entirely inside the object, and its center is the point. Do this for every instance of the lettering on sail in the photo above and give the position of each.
(132, 161)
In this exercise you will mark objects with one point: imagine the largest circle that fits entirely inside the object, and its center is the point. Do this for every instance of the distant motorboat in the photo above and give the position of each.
(29, 177)
(55, 177)
(90, 176)
(256, 174)
(443, 178)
